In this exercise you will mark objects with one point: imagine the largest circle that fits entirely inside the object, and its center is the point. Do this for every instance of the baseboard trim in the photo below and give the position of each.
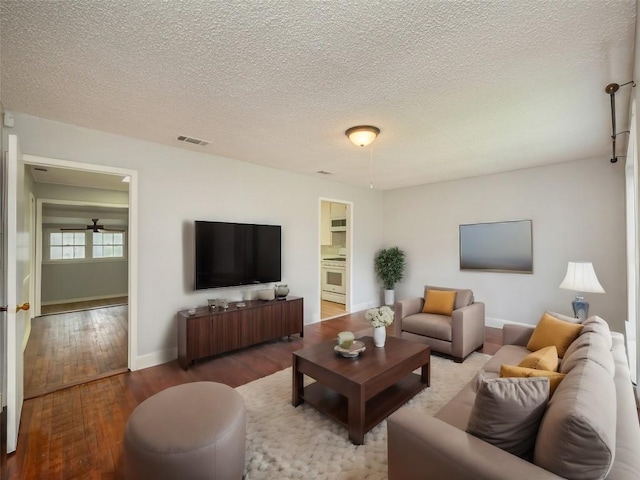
(83, 299)
(499, 323)
(155, 358)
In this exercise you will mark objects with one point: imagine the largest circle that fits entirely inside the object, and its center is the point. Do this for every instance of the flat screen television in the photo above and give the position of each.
(497, 247)
(231, 254)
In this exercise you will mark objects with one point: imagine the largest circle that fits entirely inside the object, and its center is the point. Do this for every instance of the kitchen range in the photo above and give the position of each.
(334, 278)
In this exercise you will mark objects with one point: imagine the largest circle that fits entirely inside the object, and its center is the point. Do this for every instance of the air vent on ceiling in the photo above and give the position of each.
(194, 141)
(324, 172)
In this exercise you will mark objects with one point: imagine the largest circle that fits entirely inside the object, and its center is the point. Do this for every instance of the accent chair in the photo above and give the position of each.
(449, 321)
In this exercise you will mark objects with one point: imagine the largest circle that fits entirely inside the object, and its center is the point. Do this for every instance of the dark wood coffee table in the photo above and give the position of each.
(360, 392)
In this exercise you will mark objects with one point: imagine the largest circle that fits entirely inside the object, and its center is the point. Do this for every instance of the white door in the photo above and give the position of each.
(16, 285)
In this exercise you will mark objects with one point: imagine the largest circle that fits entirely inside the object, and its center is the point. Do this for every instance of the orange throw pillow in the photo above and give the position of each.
(544, 359)
(439, 302)
(512, 371)
(551, 331)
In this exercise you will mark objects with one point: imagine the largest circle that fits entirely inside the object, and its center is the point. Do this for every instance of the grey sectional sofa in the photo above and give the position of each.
(589, 430)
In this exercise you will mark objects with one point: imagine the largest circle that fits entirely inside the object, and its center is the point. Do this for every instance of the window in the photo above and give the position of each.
(108, 245)
(66, 245)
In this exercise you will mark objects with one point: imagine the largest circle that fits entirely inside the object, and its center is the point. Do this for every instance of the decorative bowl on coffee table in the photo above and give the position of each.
(353, 351)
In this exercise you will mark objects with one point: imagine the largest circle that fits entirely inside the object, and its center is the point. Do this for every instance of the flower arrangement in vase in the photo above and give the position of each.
(380, 318)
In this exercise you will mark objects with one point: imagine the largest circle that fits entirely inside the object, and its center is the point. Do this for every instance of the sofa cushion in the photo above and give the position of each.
(508, 354)
(439, 302)
(551, 331)
(507, 412)
(544, 359)
(598, 325)
(428, 325)
(588, 346)
(577, 435)
(514, 371)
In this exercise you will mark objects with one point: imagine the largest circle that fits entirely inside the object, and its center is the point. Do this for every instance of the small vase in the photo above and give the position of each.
(389, 297)
(379, 336)
(281, 291)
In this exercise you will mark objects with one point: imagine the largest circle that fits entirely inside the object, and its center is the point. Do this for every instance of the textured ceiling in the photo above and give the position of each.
(458, 88)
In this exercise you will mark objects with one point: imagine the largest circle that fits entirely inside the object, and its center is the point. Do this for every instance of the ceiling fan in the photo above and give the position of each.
(94, 227)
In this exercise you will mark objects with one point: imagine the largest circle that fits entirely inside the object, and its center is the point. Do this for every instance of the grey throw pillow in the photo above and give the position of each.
(507, 412)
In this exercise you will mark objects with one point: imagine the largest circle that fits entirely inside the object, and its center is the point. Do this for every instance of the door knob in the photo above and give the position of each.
(25, 306)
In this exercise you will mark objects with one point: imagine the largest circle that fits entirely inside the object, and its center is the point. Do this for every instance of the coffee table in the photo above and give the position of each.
(360, 392)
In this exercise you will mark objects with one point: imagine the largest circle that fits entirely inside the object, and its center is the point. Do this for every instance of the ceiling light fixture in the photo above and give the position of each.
(611, 89)
(362, 135)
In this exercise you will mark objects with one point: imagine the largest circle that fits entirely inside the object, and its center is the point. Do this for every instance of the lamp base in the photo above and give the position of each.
(580, 308)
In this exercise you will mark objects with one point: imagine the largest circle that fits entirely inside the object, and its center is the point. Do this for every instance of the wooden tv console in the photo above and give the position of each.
(210, 332)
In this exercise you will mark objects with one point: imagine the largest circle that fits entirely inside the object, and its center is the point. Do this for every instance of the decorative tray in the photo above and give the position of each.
(353, 351)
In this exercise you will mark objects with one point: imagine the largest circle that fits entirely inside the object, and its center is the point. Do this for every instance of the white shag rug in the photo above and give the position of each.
(285, 442)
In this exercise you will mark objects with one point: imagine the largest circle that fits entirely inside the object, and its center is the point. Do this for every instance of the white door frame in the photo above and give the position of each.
(132, 235)
(349, 246)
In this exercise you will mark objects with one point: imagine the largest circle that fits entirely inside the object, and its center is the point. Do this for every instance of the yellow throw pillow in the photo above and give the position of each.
(512, 371)
(551, 331)
(544, 359)
(439, 301)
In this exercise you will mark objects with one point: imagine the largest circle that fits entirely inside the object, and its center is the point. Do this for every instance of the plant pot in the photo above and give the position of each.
(389, 297)
(379, 336)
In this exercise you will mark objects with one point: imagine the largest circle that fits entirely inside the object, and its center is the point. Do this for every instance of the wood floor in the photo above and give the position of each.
(77, 433)
(67, 349)
(331, 309)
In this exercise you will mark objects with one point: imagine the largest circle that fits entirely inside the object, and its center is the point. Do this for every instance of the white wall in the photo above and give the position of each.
(577, 209)
(78, 281)
(85, 280)
(178, 186)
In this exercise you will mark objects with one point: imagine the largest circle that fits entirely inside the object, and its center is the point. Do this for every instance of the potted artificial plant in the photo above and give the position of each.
(390, 264)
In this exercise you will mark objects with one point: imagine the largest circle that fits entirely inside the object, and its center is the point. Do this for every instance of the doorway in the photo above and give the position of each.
(91, 179)
(335, 258)
(81, 333)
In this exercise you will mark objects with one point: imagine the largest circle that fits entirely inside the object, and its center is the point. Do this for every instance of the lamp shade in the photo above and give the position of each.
(362, 135)
(581, 277)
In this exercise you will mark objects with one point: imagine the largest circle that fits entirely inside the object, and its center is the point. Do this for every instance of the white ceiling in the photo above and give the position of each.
(458, 88)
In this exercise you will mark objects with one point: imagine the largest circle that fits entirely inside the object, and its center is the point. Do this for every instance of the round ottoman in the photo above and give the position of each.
(193, 431)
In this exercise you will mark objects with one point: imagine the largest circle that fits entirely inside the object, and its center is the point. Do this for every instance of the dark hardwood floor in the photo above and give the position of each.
(77, 433)
(67, 349)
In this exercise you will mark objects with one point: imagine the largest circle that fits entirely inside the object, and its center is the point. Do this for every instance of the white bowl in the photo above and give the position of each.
(266, 294)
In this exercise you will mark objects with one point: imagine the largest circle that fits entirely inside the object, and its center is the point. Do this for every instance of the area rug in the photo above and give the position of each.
(284, 442)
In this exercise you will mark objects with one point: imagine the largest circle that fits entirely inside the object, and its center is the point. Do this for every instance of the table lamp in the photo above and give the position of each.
(581, 277)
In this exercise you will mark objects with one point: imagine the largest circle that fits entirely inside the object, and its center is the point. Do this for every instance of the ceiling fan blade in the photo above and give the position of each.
(94, 227)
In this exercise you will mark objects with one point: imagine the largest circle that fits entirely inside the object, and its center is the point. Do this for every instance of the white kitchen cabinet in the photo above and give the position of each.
(338, 210)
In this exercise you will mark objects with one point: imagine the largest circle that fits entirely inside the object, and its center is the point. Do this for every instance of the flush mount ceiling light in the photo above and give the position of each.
(362, 135)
